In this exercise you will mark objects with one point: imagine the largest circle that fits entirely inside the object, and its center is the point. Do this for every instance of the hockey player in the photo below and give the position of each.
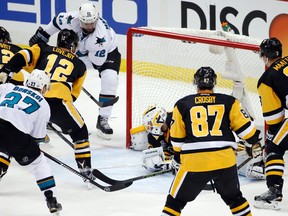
(98, 45)
(7, 50)
(202, 135)
(272, 89)
(157, 123)
(160, 151)
(24, 114)
(67, 74)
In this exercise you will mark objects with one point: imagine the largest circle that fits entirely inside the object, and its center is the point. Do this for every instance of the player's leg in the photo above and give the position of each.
(4, 163)
(228, 186)
(65, 115)
(185, 188)
(109, 72)
(275, 149)
(27, 153)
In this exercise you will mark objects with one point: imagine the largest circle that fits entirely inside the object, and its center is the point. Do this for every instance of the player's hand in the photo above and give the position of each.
(175, 162)
(39, 37)
(254, 150)
(4, 72)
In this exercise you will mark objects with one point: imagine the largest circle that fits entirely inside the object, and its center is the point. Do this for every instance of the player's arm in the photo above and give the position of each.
(243, 126)
(77, 86)
(272, 109)
(24, 58)
(178, 134)
(60, 21)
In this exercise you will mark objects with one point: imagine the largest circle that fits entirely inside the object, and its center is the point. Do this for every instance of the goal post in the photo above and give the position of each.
(161, 63)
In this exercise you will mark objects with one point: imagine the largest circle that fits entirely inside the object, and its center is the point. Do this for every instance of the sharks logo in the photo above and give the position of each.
(100, 41)
(69, 19)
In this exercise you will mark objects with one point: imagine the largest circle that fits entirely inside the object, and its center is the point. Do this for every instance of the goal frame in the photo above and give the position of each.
(159, 33)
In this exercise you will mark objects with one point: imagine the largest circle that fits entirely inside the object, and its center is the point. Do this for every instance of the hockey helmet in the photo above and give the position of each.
(4, 35)
(205, 78)
(88, 17)
(153, 119)
(271, 48)
(38, 79)
(67, 39)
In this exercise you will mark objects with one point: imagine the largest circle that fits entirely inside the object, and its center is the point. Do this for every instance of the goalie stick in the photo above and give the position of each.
(101, 104)
(110, 188)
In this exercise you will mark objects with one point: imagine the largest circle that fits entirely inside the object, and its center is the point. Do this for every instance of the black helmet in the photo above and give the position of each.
(67, 39)
(271, 48)
(205, 78)
(4, 35)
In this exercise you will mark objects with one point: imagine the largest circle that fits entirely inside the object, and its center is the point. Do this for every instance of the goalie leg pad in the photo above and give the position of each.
(154, 159)
(254, 169)
(139, 138)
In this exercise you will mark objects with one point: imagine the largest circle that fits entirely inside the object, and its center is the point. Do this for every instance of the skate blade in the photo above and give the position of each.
(275, 205)
(103, 136)
(56, 213)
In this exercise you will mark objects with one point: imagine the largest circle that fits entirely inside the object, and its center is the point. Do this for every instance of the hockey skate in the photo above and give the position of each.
(88, 173)
(52, 204)
(2, 172)
(271, 199)
(103, 128)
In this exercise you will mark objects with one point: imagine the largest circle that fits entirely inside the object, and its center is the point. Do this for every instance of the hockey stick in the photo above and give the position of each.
(49, 128)
(115, 182)
(111, 188)
(101, 104)
(244, 163)
(60, 134)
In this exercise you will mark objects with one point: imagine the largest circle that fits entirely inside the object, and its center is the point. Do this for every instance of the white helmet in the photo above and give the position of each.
(38, 79)
(153, 119)
(88, 13)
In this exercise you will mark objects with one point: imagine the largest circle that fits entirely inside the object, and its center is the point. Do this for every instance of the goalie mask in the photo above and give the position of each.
(271, 48)
(153, 119)
(205, 78)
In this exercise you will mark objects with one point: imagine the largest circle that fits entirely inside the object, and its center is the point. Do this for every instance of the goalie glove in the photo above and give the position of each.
(39, 37)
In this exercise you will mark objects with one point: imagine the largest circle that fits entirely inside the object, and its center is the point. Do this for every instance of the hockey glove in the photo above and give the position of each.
(175, 163)
(4, 72)
(39, 37)
(254, 150)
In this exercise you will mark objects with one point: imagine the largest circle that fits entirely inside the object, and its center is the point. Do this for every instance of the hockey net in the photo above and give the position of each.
(161, 63)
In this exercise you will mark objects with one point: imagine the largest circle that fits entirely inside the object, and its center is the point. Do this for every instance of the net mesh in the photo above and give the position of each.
(163, 68)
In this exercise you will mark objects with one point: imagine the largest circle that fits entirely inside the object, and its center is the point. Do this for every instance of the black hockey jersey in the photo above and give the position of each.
(202, 130)
(67, 71)
(273, 92)
(7, 51)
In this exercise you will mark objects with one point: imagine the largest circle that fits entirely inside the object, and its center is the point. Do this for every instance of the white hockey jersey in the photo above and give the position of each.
(25, 108)
(96, 45)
